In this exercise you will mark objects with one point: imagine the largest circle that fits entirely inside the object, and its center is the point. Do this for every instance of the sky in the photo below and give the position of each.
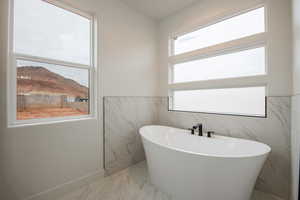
(44, 30)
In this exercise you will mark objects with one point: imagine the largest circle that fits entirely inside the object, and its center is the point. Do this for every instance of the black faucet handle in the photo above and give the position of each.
(192, 130)
(210, 133)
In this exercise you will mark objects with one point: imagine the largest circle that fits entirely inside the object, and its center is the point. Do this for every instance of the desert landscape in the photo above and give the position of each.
(45, 94)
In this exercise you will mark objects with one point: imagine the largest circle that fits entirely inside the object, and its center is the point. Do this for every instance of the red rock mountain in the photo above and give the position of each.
(39, 80)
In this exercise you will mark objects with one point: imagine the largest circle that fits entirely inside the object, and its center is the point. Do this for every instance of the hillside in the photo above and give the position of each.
(39, 80)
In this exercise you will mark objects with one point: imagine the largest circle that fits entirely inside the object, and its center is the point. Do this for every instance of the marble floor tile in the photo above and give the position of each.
(130, 184)
(257, 195)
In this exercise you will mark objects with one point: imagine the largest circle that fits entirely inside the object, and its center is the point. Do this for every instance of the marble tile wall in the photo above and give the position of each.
(125, 115)
(295, 143)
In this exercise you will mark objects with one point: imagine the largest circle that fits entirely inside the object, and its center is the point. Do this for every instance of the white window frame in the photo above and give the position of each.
(12, 71)
(237, 45)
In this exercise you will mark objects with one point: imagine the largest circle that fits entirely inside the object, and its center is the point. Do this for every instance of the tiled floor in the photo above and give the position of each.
(130, 184)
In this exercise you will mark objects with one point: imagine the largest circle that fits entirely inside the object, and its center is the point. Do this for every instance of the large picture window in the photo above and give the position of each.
(52, 67)
(221, 67)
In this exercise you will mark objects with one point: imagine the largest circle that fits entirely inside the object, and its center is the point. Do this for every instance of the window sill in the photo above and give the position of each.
(225, 114)
(41, 122)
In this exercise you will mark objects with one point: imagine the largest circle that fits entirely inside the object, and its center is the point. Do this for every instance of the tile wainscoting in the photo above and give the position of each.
(295, 145)
(125, 115)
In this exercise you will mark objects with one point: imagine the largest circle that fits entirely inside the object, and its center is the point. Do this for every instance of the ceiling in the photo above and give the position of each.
(158, 9)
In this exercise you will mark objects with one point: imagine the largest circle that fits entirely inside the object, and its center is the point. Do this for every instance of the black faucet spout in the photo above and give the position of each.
(200, 129)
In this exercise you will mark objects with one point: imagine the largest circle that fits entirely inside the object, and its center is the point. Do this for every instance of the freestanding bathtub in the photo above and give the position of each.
(190, 167)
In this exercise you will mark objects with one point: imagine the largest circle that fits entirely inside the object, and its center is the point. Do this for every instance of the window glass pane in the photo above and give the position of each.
(243, 25)
(47, 90)
(242, 101)
(44, 30)
(240, 64)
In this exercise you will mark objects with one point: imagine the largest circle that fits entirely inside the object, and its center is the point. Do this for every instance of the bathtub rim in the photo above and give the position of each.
(230, 156)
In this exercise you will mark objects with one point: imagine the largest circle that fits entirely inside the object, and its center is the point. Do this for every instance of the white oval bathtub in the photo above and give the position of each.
(190, 167)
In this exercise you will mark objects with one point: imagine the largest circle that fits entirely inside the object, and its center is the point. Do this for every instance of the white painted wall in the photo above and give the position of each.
(205, 11)
(296, 44)
(4, 188)
(37, 158)
(127, 48)
(295, 138)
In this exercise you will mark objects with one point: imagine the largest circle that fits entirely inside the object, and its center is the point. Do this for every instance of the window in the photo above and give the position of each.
(243, 63)
(234, 101)
(221, 68)
(240, 26)
(52, 68)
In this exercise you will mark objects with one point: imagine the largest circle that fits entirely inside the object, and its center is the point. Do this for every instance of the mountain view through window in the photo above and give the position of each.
(47, 90)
